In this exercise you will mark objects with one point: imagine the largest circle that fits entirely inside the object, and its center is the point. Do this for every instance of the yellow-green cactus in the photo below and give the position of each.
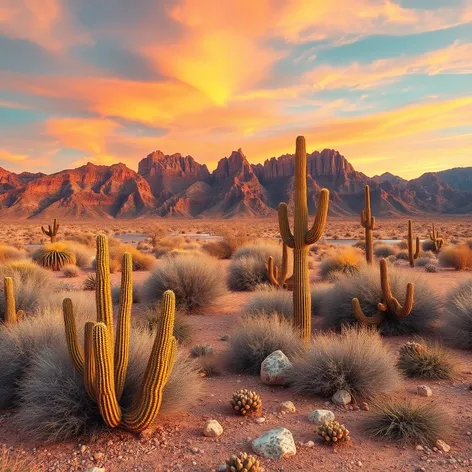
(389, 303)
(243, 462)
(368, 222)
(301, 239)
(52, 231)
(278, 277)
(103, 361)
(412, 255)
(245, 402)
(11, 316)
(333, 432)
(437, 240)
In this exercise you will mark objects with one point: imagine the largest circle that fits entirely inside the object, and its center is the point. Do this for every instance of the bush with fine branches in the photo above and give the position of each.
(342, 260)
(269, 300)
(458, 257)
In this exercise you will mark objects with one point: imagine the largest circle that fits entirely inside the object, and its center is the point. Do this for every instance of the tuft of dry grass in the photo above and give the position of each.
(403, 421)
(268, 300)
(54, 256)
(345, 260)
(90, 282)
(11, 461)
(355, 360)
(10, 253)
(385, 250)
(70, 271)
(458, 257)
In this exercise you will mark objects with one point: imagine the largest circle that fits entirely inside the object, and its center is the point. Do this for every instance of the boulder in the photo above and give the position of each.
(275, 444)
(274, 368)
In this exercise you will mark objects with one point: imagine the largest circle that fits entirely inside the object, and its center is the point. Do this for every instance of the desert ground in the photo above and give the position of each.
(176, 441)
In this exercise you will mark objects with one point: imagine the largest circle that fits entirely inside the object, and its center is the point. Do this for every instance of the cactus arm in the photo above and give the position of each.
(417, 250)
(10, 317)
(402, 311)
(75, 349)
(52, 231)
(284, 267)
(158, 370)
(284, 226)
(105, 383)
(314, 234)
(124, 321)
(89, 364)
(366, 320)
(103, 290)
(45, 231)
(272, 272)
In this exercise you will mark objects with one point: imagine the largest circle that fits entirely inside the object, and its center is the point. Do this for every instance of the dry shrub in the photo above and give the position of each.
(10, 253)
(403, 421)
(70, 271)
(12, 461)
(345, 260)
(318, 294)
(196, 281)
(428, 245)
(260, 250)
(422, 261)
(385, 250)
(268, 300)
(257, 337)
(457, 328)
(459, 257)
(365, 285)
(116, 292)
(54, 256)
(90, 282)
(85, 239)
(431, 268)
(171, 242)
(225, 247)
(141, 261)
(355, 360)
(84, 255)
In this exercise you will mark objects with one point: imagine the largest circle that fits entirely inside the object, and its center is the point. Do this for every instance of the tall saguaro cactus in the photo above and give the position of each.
(368, 222)
(11, 316)
(52, 230)
(103, 362)
(301, 239)
(412, 255)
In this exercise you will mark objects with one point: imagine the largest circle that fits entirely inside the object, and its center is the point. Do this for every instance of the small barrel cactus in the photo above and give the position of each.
(245, 402)
(333, 432)
(411, 348)
(202, 350)
(243, 462)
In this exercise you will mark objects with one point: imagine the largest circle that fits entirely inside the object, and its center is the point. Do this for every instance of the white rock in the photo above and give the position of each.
(275, 444)
(320, 416)
(260, 420)
(440, 444)
(274, 368)
(424, 391)
(287, 407)
(212, 429)
(341, 397)
(95, 469)
(310, 444)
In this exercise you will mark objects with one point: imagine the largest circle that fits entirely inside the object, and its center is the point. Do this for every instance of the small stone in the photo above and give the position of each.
(419, 447)
(212, 429)
(83, 448)
(287, 407)
(98, 456)
(365, 406)
(424, 391)
(359, 464)
(224, 337)
(222, 468)
(260, 420)
(95, 469)
(274, 368)
(440, 444)
(309, 444)
(320, 416)
(275, 444)
(341, 397)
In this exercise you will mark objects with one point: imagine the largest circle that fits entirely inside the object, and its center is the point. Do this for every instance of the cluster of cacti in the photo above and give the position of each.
(412, 255)
(52, 231)
(368, 222)
(243, 462)
(333, 432)
(202, 350)
(245, 402)
(11, 316)
(278, 278)
(389, 304)
(103, 361)
(54, 256)
(411, 348)
(301, 239)
(437, 240)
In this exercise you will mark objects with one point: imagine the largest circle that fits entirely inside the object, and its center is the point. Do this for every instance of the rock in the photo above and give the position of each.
(320, 416)
(224, 337)
(274, 368)
(309, 444)
(95, 469)
(287, 407)
(365, 406)
(419, 447)
(440, 444)
(424, 391)
(341, 397)
(260, 420)
(275, 444)
(222, 468)
(98, 456)
(212, 429)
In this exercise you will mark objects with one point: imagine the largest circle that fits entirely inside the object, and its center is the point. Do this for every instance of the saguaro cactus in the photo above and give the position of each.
(301, 239)
(11, 316)
(52, 230)
(412, 255)
(389, 304)
(278, 277)
(368, 222)
(437, 240)
(103, 362)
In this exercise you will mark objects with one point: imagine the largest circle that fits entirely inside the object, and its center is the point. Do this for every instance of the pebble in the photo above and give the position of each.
(320, 416)
(260, 420)
(287, 407)
(424, 391)
(341, 397)
(98, 456)
(440, 444)
(212, 429)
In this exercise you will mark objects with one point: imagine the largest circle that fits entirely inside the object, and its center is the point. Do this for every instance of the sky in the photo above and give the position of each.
(387, 83)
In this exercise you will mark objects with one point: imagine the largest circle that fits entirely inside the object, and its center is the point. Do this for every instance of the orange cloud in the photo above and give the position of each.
(8, 156)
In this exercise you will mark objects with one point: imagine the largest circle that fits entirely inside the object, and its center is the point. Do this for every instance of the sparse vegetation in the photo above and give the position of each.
(459, 257)
(384, 250)
(268, 301)
(54, 256)
(70, 271)
(342, 260)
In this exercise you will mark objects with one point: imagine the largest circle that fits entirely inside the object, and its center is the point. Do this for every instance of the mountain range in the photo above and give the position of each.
(176, 185)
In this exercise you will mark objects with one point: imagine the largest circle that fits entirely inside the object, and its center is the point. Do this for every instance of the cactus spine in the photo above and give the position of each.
(301, 239)
(412, 255)
(103, 362)
(52, 230)
(368, 222)
(437, 240)
(278, 277)
(389, 304)
(11, 316)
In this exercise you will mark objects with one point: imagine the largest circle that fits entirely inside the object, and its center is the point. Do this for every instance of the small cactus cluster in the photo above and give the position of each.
(52, 230)
(333, 432)
(411, 348)
(245, 402)
(243, 462)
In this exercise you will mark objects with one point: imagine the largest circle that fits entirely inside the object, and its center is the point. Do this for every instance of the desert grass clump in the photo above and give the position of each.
(337, 307)
(196, 281)
(342, 260)
(356, 361)
(401, 420)
(90, 282)
(385, 250)
(224, 247)
(318, 294)
(54, 256)
(83, 254)
(457, 328)
(70, 271)
(10, 253)
(257, 337)
(12, 461)
(430, 268)
(269, 300)
(458, 257)
(202, 350)
(427, 361)
(246, 274)
(141, 261)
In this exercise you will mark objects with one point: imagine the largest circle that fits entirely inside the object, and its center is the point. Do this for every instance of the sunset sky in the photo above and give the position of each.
(387, 83)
